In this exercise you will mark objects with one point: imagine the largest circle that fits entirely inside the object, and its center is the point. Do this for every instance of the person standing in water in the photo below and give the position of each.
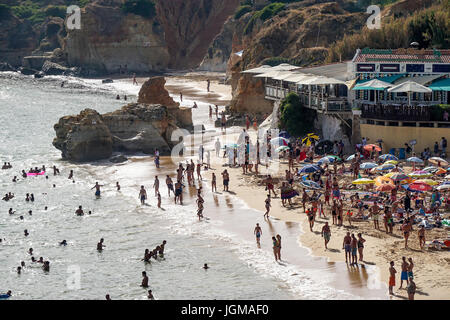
(169, 184)
(159, 200)
(208, 83)
(156, 186)
(226, 180)
(100, 245)
(181, 96)
(97, 189)
(144, 282)
(134, 79)
(143, 195)
(118, 186)
(258, 233)
(210, 111)
(70, 175)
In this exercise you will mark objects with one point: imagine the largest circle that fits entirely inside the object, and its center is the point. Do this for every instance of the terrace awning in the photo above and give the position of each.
(440, 85)
(318, 80)
(261, 69)
(374, 84)
(390, 79)
(423, 80)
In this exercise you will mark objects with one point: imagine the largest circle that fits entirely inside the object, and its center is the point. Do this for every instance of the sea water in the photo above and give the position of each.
(29, 108)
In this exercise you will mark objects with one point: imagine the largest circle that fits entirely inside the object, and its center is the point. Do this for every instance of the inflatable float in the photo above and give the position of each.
(36, 174)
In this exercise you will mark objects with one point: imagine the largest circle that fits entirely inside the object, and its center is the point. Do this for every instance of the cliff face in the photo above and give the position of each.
(109, 40)
(17, 40)
(176, 38)
(136, 127)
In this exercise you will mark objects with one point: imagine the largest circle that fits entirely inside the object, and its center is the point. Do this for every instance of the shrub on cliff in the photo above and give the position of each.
(296, 118)
(143, 8)
(5, 12)
(267, 12)
(242, 10)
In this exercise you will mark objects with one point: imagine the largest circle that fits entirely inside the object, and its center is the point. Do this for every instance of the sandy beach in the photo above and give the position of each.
(380, 248)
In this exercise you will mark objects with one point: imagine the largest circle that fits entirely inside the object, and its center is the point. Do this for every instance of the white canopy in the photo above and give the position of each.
(410, 86)
(373, 84)
(318, 80)
(272, 74)
(261, 69)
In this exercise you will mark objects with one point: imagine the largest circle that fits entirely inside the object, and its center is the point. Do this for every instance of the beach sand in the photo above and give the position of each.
(430, 270)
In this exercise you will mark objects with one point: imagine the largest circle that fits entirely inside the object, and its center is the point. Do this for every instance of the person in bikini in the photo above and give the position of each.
(258, 233)
(421, 234)
(214, 182)
(267, 205)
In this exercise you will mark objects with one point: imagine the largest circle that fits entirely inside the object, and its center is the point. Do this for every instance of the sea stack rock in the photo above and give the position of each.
(83, 137)
(136, 127)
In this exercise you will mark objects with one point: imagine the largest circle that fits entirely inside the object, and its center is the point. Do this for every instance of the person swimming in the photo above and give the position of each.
(46, 266)
(79, 211)
(63, 243)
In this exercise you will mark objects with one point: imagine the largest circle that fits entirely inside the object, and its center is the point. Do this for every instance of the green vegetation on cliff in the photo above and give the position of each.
(295, 117)
(144, 8)
(242, 10)
(267, 12)
(429, 27)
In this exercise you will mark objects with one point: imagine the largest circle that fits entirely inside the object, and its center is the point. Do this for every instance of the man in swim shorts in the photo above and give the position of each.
(404, 274)
(392, 273)
(346, 244)
(97, 189)
(326, 234)
(142, 195)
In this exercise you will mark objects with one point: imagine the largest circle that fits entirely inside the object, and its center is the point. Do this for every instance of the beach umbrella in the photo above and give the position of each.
(439, 161)
(336, 158)
(324, 160)
(353, 157)
(427, 181)
(282, 148)
(368, 165)
(420, 174)
(443, 187)
(370, 147)
(431, 169)
(406, 187)
(280, 141)
(387, 156)
(385, 167)
(408, 87)
(363, 181)
(309, 138)
(440, 171)
(391, 162)
(399, 176)
(284, 134)
(309, 169)
(415, 160)
(385, 187)
(419, 187)
(310, 184)
(382, 180)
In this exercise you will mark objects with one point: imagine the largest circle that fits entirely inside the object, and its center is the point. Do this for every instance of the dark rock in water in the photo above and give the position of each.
(4, 66)
(39, 75)
(118, 159)
(27, 71)
(107, 81)
(54, 69)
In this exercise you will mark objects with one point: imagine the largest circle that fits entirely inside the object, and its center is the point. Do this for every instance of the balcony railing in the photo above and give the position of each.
(396, 112)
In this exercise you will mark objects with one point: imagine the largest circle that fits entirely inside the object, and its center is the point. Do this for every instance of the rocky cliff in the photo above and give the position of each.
(136, 127)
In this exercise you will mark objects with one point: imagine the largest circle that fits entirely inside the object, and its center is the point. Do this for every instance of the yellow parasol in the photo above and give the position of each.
(363, 181)
(309, 138)
(382, 180)
(427, 181)
(392, 162)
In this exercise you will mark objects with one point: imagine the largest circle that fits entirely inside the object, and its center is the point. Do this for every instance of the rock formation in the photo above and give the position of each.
(136, 127)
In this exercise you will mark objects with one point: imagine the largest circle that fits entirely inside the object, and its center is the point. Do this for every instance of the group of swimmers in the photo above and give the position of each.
(155, 253)
(6, 165)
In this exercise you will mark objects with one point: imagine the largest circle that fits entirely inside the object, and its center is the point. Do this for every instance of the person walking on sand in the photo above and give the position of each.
(217, 111)
(361, 241)
(421, 234)
(217, 147)
(208, 83)
(311, 217)
(134, 79)
(411, 289)
(392, 273)
(267, 205)
(156, 186)
(214, 182)
(258, 233)
(326, 234)
(181, 96)
(210, 111)
(346, 245)
(226, 180)
(270, 186)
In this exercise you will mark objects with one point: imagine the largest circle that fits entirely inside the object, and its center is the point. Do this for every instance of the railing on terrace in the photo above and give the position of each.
(396, 112)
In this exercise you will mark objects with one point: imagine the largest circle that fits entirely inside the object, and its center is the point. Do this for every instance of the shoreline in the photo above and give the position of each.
(428, 267)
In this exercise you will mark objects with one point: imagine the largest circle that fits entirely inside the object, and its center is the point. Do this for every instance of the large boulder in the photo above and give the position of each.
(83, 137)
(154, 92)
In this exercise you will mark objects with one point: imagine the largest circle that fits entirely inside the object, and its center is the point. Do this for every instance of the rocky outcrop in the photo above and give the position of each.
(154, 92)
(17, 40)
(84, 137)
(136, 127)
(249, 97)
(51, 68)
